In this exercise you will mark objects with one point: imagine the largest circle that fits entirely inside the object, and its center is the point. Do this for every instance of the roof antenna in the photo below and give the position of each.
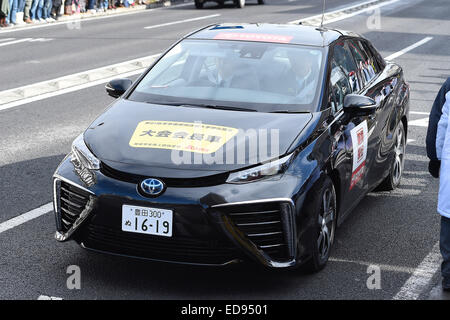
(323, 14)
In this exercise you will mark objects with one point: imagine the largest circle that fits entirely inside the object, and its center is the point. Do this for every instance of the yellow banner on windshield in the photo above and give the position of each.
(185, 136)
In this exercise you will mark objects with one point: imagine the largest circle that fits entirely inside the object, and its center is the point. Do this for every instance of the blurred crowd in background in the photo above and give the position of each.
(16, 12)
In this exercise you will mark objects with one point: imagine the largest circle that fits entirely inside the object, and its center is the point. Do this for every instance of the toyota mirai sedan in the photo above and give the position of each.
(240, 142)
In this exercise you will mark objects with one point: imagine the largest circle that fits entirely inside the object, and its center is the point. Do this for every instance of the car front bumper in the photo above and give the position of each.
(213, 225)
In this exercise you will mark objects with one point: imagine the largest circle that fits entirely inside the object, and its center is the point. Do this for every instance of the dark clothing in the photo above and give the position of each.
(445, 248)
(435, 115)
(4, 8)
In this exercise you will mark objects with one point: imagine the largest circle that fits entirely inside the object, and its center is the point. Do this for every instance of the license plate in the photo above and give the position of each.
(146, 220)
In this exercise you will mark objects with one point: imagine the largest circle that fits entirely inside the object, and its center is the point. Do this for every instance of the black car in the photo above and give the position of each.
(250, 141)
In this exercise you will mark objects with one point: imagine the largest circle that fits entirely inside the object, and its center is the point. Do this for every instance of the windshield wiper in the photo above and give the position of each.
(214, 106)
(287, 111)
(209, 106)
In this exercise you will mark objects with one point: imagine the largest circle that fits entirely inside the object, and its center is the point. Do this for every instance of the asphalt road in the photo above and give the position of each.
(395, 231)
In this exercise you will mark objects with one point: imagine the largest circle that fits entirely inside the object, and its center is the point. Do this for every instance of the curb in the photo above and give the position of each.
(17, 96)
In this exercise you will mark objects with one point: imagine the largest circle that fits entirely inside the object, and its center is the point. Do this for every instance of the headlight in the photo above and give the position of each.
(82, 155)
(84, 161)
(273, 169)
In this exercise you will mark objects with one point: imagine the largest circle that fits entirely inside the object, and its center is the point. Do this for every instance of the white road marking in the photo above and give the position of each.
(423, 122)
(44, 297)
(14, 42)
(421, 277)
(420, 112)
(410, 140)
(386, 267)
(182, 21)
(6, 39)
(25, 217)
(340, 14)
(407, 49)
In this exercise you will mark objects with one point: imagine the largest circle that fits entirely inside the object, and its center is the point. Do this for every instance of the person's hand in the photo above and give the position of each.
(434, 167)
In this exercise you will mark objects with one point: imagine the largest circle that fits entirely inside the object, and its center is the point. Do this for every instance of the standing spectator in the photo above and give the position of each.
(438, 150)
(36, 10)
(91, 6)
(4, 12)
(68, 7)
(26, 11)
(46, 11)
(11, 18)
(56, 9)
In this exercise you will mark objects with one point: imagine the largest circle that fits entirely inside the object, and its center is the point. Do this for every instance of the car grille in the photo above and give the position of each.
(262, 224)
(170, 182)
(175, 249)
(72, 202)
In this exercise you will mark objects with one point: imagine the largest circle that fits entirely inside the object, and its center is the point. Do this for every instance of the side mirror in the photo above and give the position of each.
(355, 103)
(117, 87)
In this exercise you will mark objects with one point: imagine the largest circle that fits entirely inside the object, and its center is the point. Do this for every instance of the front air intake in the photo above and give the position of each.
(267, 225)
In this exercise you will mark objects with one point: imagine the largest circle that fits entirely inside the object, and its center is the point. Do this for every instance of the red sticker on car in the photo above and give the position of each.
(262, 37)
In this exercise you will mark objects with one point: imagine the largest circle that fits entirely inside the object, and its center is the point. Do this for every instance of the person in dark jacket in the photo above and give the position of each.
(435, 115)
(56, 9)
(438, 142)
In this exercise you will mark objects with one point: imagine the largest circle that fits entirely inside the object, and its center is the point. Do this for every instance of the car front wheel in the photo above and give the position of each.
(324, 209)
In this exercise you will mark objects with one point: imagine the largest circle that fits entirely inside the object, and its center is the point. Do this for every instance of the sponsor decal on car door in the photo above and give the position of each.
(359, 136)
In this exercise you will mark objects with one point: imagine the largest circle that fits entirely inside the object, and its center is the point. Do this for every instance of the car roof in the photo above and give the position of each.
(266, 32)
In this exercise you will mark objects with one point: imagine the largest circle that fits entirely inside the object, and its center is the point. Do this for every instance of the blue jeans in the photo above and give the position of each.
(47, 9)
(91, 4)
(445, 248)
(36, 9)
(11, 18)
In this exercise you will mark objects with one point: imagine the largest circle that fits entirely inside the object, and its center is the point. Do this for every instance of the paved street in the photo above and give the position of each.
(395, 231)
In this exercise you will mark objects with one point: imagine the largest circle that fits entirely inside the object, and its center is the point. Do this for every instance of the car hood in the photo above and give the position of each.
(132, 137)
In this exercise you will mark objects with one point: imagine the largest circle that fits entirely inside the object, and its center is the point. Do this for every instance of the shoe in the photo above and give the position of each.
(29, 21)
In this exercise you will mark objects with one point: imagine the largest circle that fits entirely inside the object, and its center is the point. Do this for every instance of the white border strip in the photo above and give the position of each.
(30, 215)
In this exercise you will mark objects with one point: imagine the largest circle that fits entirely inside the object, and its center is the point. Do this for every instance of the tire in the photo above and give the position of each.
(239, 3)
(392, 181)
(198, 4)
(324, 209)
(261, 1)
(221, 3)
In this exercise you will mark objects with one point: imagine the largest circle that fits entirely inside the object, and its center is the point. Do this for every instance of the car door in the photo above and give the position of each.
(382, 88)
(344, 79)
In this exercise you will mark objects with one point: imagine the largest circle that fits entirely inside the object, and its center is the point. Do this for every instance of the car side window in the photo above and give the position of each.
(339, 86)
(373, 58)
(363, 60)
(344, 59)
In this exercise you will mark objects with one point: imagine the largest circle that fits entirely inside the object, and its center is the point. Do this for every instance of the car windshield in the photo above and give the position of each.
(264, 77)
